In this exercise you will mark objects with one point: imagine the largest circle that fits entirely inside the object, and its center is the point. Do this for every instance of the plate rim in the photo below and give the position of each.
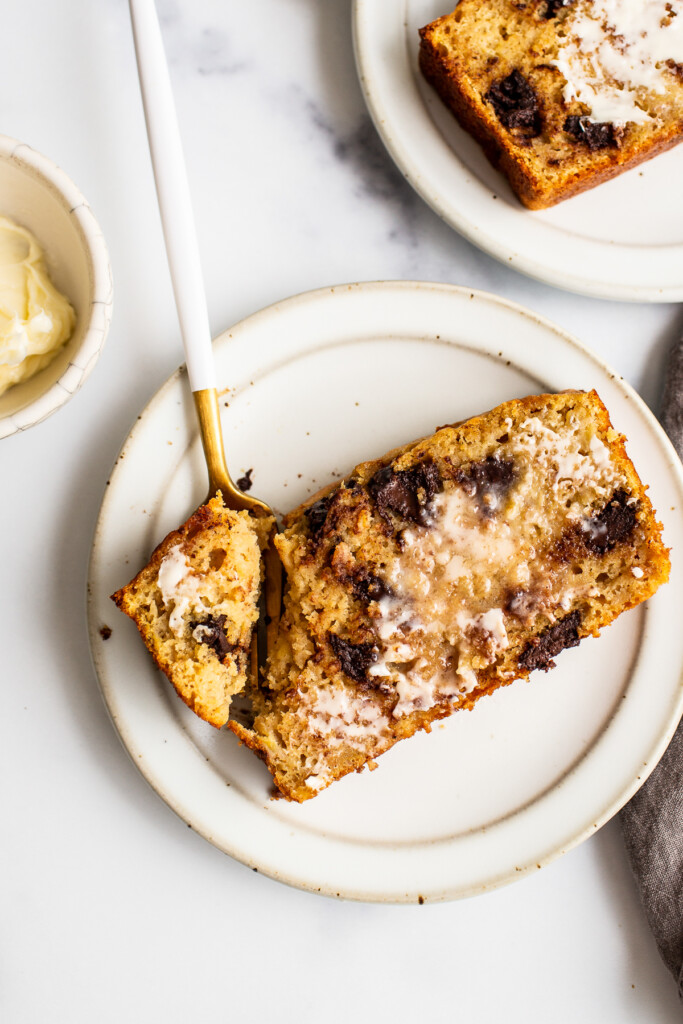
(560, 846)
(420, 177)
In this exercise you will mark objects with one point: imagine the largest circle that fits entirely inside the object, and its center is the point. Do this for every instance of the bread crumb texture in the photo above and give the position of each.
(431, 577)
(561, 94)
(196, 603)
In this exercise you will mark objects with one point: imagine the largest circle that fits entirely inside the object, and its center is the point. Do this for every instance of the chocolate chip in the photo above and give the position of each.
(355, 658)
(612, 526)
(487, 482)
(406, 492)
(364, 583)
(316, 516)
(595, 134)
(516, 104)
(244, 483)
(553, 6)
(540, 651)
(675, 67)
(211, 631)
(105, 632)
(521, 603)
(369, 587)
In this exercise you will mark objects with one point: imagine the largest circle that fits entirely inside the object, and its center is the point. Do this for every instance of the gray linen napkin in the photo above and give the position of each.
(652, 823)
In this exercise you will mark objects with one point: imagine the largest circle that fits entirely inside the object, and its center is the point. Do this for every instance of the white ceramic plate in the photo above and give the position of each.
(316, 384)
(623, 240)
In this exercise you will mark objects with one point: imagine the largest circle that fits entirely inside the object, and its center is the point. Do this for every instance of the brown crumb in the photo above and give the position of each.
(244, 483)
(105, 632)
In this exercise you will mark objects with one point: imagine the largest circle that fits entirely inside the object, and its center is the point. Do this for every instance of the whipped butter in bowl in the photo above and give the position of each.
(55, 288)
(36, 320)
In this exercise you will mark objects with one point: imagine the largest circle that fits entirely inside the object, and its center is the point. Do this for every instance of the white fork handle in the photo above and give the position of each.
(173, 193)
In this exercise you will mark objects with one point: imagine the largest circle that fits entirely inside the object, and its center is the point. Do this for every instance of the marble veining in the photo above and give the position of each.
(292, 190)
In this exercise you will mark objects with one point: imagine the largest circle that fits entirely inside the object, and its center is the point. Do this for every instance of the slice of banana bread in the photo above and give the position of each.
(196, 602)
(429, 578)
(561, 94)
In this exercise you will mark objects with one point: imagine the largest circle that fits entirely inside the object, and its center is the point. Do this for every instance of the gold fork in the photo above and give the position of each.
(177, 219)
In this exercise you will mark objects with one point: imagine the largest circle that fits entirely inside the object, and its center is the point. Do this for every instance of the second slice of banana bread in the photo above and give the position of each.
(561, 94)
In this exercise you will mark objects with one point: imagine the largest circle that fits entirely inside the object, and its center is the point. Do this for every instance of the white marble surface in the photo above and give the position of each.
(112, 909)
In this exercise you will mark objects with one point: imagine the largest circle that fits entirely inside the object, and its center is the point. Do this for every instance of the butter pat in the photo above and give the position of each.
(618, 50)
(36, 320)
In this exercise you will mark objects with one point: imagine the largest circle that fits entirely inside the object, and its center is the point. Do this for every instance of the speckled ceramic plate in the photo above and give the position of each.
(314, 385)
(623, 240)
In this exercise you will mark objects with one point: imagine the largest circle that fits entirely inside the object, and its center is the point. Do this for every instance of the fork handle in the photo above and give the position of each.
(173, 193)
(209, 419)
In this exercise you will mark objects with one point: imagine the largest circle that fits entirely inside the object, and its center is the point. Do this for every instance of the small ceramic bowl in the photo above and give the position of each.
(35, 193)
